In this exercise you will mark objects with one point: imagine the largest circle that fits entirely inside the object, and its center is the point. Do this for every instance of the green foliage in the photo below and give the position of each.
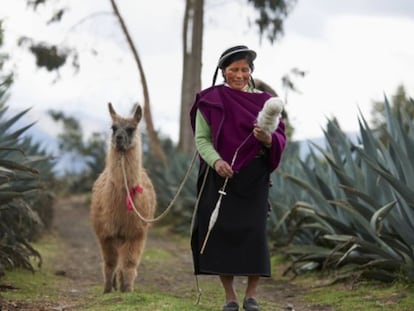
(5, 80)
(50, 56)
(167, 180)
(353, 208)
(86, 152)
(400, 104)
(40, 201)
(25, 172)
(19, 182)
(35, 3)
(271, 14)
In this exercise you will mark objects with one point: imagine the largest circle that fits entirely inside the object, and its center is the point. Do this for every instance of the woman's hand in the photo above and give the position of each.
(223, 168)
(262, 136)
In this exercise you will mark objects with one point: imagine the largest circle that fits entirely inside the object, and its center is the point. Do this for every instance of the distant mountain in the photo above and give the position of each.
(45, 132)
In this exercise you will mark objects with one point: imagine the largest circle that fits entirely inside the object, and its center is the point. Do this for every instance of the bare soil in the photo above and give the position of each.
(80, 266)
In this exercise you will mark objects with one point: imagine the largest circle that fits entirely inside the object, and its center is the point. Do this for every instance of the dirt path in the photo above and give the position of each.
(80, 264)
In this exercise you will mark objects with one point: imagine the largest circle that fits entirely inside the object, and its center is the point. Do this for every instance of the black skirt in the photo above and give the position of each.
(237, 244)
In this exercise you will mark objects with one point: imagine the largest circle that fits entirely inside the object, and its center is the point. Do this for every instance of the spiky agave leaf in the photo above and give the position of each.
(359, 204)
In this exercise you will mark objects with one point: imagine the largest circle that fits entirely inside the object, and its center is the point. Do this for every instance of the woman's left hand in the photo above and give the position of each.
(262, 136)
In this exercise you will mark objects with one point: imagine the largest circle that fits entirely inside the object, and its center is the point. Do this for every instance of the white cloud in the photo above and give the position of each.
(356, 60)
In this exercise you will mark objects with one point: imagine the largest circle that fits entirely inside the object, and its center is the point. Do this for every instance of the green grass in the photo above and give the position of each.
(362, 296)
(33, 286)
(359, 296)
(45, 286)
(156, 255)
(30, 286)
(141, 300)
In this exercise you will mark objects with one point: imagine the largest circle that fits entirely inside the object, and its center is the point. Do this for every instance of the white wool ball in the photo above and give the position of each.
(274, 105)
(268, 118)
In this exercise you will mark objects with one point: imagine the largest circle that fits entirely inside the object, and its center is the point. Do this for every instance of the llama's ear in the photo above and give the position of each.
(111, 110)
(138, 113)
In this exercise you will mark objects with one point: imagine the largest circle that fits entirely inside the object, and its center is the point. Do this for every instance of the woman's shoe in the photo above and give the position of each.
(251, 304)
(231, 306)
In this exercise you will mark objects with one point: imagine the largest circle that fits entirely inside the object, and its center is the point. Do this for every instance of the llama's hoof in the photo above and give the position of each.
(126, 289)
(107, 290)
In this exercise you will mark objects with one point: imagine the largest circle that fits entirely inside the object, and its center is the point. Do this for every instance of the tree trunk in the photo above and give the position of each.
(155, 145)
(191, 81)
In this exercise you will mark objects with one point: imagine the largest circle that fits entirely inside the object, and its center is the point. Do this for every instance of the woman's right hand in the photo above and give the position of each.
(223, 168)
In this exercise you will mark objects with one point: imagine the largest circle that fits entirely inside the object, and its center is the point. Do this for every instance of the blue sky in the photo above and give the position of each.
(353, 51)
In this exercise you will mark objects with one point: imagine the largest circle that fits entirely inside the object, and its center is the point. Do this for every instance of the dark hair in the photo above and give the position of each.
(233, 54)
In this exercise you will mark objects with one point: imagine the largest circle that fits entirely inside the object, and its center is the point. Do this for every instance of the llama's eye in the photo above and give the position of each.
(114, 128)
(130, 130)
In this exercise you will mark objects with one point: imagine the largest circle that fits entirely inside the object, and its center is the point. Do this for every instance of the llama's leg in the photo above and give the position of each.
(110, 257)
(130, 256)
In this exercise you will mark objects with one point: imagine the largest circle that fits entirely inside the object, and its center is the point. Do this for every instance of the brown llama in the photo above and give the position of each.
(121, 233)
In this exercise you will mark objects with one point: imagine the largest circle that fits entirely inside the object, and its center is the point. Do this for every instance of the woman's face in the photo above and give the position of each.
(237, 74)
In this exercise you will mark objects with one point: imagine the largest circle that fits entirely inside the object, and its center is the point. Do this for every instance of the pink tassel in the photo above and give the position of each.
(132, 192)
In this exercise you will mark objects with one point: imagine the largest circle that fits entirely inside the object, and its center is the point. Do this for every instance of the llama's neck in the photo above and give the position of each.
(132, 168)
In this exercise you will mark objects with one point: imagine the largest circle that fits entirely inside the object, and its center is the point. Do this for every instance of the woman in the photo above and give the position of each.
(231, 145)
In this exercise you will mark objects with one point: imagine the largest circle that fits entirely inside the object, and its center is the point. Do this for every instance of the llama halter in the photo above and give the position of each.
(131, 193)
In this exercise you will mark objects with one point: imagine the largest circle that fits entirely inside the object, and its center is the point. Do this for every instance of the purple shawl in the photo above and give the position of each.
(231, 115)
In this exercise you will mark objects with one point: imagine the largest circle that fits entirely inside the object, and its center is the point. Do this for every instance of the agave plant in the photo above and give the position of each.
(21, 185)
(175, 184)
(354, 210)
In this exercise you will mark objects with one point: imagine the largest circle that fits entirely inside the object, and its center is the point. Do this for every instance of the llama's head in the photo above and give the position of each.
(124, 130)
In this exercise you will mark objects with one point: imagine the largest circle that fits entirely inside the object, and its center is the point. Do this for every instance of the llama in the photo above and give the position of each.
(120, 233)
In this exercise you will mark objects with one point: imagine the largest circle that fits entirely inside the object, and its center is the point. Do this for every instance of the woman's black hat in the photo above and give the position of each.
(229, 55)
